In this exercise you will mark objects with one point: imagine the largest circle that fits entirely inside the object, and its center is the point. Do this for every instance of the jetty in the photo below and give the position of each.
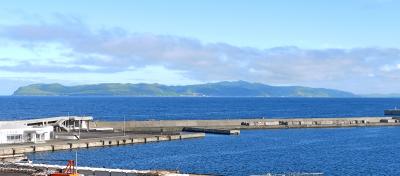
(99, 141)
(215, 126)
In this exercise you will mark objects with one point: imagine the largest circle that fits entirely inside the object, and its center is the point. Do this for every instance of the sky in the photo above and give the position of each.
(351, 45)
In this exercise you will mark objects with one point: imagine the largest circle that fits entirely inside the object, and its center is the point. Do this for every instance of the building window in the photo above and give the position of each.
(14, 138)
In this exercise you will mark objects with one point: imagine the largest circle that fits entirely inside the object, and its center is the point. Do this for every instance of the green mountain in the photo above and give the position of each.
(219, 89)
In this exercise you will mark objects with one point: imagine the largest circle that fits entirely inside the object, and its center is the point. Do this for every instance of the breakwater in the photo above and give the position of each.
(261, 123)
(12, 150)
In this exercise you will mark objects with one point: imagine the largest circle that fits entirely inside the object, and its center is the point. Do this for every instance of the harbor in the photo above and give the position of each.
(71, 133)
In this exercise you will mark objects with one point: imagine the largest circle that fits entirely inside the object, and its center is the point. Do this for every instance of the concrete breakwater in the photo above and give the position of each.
(12, 150)
(262, 123)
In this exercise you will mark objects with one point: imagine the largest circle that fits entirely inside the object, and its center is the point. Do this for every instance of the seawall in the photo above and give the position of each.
(178, 125)
(12, 150)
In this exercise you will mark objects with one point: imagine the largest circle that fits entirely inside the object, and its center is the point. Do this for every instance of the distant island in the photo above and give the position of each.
(219, 89)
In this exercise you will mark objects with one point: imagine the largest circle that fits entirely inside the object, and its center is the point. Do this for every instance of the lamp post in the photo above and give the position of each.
(124, 127)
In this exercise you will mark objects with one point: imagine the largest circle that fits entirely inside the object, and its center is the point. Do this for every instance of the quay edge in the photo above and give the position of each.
(14, 150)
(261, 123)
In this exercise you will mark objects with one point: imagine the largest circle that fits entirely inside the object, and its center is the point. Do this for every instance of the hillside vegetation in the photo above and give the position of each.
(219, 89)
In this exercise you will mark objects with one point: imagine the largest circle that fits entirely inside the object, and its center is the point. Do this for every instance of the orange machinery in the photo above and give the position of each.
(70, 170)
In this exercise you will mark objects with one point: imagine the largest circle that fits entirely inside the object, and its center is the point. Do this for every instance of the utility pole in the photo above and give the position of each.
(76, 161)
(124, 127)
(79, 129)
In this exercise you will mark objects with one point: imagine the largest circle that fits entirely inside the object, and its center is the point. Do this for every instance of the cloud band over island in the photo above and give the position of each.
(115, 50)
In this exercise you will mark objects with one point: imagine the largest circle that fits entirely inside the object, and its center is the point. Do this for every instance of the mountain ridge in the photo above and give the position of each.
(218, 89)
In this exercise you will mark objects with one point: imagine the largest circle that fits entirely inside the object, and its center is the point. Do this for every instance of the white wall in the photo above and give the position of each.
(6, 132)
(47, 130)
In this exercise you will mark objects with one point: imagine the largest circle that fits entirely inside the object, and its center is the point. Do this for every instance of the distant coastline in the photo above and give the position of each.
(219, 89)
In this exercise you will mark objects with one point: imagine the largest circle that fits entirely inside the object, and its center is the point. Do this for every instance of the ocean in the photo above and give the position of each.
(334, 151)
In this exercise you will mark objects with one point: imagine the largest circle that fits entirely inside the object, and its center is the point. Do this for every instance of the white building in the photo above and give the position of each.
(16, 133)
(40, 130)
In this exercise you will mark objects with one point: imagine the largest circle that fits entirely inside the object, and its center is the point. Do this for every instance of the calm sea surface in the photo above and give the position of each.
(340, 151)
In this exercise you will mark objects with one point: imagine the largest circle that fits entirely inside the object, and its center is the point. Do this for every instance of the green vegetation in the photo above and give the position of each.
(219, 89)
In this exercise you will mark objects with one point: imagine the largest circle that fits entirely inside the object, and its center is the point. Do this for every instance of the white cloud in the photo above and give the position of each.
(116, 51)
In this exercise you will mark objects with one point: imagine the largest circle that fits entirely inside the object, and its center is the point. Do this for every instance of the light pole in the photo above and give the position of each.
(124, 127)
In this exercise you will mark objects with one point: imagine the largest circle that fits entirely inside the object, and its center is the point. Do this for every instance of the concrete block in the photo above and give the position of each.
(43, 148)
(175, 137)
(78, 145)
(95, 144)
(61, 147)
(163, 138)
(121, 142)
(128, 141)
(138, 140)
(306, 122)
(112, 142)
(18, 150)
(7, 151)
(151, 139)
(326, 122)
(271, 123)
(388, 121)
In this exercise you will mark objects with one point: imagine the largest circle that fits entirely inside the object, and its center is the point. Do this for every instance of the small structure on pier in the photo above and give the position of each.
(62, 123)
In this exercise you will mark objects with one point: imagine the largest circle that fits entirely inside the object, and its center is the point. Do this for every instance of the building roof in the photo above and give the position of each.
(24, 123)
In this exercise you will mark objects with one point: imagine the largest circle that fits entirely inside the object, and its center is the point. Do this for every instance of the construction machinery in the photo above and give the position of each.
(70, 170)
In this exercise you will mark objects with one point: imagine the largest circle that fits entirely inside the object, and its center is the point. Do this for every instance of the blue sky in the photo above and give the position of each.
(351, 45)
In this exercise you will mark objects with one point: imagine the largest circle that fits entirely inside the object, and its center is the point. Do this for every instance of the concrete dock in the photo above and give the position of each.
(91, 142)
(261, 123)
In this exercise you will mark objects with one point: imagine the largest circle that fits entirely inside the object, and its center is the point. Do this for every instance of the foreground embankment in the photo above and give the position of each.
(179, 125)
(28, 169)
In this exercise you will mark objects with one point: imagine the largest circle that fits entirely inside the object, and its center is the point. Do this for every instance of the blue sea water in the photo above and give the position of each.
(144, 108)
(336, 151)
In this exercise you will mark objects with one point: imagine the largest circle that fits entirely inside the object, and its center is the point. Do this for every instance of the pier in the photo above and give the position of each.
(242, 124)
(11, 150)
